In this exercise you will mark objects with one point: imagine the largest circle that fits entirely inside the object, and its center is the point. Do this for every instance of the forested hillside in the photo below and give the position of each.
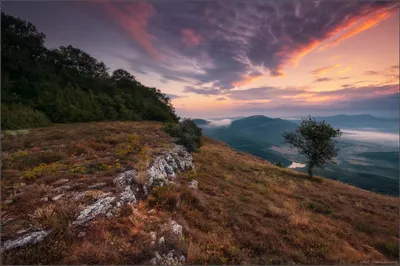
(41, 85)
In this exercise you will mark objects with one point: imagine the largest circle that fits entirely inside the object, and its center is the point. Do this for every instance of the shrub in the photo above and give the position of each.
(187, 132)
(16, 116)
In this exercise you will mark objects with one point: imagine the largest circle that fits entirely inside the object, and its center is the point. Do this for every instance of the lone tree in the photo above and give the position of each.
(314, 140)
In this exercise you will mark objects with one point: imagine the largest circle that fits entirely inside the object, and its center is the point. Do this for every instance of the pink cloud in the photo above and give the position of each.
(190, 37)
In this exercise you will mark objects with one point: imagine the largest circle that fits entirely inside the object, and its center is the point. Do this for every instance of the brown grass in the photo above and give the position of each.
(246, 211)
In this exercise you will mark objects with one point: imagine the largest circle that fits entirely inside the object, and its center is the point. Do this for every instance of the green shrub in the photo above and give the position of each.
(319, 208)
(16, 116)
(187, 132)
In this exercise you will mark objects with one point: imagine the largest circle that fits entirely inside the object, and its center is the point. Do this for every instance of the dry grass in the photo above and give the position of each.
(246, 211)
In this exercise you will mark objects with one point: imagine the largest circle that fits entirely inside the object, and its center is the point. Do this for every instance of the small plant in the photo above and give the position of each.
(187, 132)
(319, 208)
(280, 165)
(43, 169)
(19, 155)
(133, 146)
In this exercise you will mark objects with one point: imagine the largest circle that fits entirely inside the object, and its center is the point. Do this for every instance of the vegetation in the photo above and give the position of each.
(65, 85)
(314, 140)
(187, 132)
(245, 211)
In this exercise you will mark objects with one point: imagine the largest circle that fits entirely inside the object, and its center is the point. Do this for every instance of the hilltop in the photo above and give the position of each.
(220, 206)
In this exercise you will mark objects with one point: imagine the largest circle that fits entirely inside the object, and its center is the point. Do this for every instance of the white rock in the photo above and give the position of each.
(55, 198)
(125, 178)
(176, 228)
(193, 184)
(30, 238)
(161, 241)
(153, 236)
(97, 185)
(127, 196)
(44, 199)
(101, 206)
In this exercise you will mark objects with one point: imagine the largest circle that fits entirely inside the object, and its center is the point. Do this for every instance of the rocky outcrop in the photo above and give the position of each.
(27, 239)
(193, 184)
(101, 206)
(163, 169)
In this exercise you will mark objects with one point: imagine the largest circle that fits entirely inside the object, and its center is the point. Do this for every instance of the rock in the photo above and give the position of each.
(153, 236)
(175, 228)
(193, 184)
(151, 211)
(109, 215)
(170, 259)
(97, 185)
(8, 201)
(161, 241)
(82, 234)
(19, 232)
(27, 239)
(55, 198)
(166, 166)
(62, 188)
(127, 196)
(126, 178)
(101, 206)
(44, 199)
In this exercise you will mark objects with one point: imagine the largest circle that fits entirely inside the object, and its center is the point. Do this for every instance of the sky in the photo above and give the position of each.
(239, 58)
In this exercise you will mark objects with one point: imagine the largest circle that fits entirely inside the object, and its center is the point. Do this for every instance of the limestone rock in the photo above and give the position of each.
(169, 259)
(175, 228)
(127, 196)
(29, 238)
(126, 178)
(193, 184)
(101, 206)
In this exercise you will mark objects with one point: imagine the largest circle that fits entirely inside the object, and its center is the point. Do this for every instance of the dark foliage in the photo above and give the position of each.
(187, 132)
(67, 85)
(314, 140)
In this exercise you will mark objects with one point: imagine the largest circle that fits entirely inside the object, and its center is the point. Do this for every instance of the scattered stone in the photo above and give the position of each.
(193, 184)
(44, 199)
(55, 198)
(176, 228)
(101, 206)
(60, 181)
(170, 259)
(82, 234)
(109, 215)
(153, 236)
(62, 188)
(8, 201)
(20, 232)
(161, 241)
(98, 185)
(151, 211)
(30, 238)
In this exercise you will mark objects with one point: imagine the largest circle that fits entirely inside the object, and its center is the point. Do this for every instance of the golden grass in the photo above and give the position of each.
(246, 211)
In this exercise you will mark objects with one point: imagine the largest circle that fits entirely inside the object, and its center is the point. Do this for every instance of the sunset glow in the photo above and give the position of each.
(215, 58)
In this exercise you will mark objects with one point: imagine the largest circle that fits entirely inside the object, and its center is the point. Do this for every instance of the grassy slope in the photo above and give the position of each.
(246, 210)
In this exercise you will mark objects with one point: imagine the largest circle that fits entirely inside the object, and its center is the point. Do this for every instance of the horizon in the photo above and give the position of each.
(277, 59)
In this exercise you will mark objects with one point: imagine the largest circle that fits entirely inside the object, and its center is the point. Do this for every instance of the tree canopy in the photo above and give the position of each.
(67, 85)
(314, 140)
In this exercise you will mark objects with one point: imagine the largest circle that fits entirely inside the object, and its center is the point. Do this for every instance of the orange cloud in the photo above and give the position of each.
(246, 80)
(189, 37)
(369, 23)
(295, 55)
(135, 22)
(344, 70)
(323, 70)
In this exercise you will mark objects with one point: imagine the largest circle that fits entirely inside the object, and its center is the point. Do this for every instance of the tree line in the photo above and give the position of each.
(64, 85)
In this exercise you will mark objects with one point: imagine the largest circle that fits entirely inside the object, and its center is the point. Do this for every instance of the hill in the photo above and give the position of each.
(361, 122)
(79, 194)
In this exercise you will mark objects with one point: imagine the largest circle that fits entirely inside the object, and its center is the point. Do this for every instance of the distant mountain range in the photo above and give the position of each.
(360, 121)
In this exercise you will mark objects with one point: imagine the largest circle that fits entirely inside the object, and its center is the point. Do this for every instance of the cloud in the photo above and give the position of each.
(323, 79)
(174, 96)
(344, 70)
(220, 99)
(219, 123)
(190, 37)
(323, 70)
(371, 72)
(223, 43)
(372, 21)
(263, 93)
(202, 91)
